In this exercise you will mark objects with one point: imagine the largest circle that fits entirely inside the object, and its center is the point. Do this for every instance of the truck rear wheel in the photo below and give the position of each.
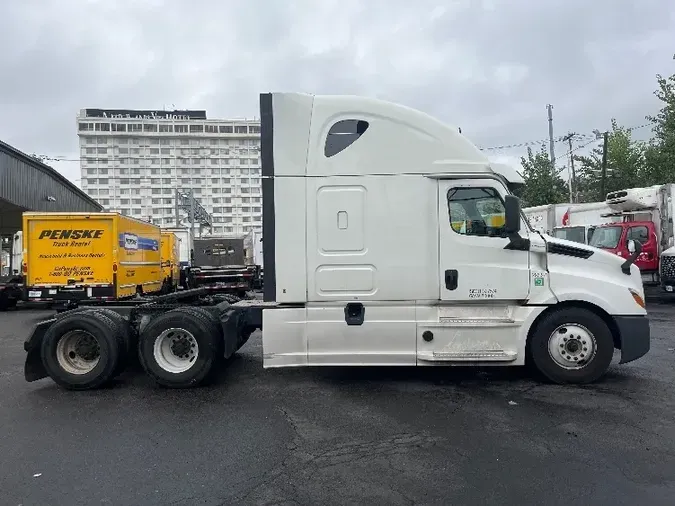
(123, 335)
(121, 329)
(572, 345)
(179, 349)
(80, 351)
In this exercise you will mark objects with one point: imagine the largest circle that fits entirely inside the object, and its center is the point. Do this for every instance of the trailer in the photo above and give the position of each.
(170, 257)
(572, 222)
(186, 247)
(364, 266)
(644, 215)
(219, 265)
(253, 248)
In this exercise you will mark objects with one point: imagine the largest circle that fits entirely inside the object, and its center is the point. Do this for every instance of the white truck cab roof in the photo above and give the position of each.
(309, 130)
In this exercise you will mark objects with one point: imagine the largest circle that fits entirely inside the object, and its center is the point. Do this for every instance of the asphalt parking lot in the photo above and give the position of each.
(341, 436)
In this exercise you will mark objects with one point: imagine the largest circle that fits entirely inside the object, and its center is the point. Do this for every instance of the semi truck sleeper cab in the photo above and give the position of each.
(390, 239)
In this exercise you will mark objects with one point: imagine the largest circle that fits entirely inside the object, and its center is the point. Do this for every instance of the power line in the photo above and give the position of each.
(592, 136)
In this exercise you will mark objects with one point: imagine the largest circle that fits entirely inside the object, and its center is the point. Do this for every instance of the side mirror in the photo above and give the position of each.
(511, 215)
(631, 246)
(635, 248)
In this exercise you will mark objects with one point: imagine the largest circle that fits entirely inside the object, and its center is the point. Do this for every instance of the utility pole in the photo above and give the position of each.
(571, 176)
(603, 177)
(549, 108)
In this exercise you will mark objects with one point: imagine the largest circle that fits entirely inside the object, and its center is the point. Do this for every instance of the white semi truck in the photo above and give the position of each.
(378, 251)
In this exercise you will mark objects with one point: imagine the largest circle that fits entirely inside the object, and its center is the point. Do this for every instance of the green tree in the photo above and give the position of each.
(542, 184)
(625, 166)
(660, 154)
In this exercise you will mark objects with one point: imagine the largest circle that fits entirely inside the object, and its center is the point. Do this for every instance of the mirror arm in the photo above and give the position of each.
(625, 267)
(517, 242)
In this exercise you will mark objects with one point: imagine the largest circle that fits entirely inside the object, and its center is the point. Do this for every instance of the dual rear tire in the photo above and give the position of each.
(87, 348)
(180, 348)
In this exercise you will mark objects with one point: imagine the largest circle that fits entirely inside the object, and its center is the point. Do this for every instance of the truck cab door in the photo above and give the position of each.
(475, 264)
(648, 260)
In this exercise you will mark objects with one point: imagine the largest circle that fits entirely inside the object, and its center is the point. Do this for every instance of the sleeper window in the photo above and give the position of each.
(476, 211)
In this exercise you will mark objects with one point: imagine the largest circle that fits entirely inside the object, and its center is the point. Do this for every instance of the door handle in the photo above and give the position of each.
(451, 276)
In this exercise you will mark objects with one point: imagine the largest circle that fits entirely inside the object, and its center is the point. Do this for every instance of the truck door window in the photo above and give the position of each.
(575, 234)
(640, 233)
(476, 211)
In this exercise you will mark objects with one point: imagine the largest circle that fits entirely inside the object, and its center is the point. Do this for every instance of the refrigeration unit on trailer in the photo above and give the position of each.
(253, 249)
(89, 256)
(170, 258)
(186, 247)
(644, 215)
(364, 266)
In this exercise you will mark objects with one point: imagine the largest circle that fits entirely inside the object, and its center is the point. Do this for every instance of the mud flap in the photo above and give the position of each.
(33, 368)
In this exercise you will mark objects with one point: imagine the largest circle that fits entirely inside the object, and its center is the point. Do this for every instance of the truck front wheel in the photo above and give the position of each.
(179, 348)
(571, 345)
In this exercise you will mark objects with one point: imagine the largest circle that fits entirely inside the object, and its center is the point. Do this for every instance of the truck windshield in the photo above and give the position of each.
(576, 234)
(606, 237)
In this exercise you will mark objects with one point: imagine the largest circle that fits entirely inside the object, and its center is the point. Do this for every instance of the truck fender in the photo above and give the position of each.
(588, 297)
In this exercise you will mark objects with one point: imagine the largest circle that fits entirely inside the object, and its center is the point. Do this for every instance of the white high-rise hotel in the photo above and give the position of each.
(133, 161)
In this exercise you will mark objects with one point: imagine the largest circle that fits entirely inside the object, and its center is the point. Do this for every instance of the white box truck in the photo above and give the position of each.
(364, 265)
(573, 222)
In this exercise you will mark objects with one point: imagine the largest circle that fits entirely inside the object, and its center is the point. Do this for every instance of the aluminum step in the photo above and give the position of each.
(470, 356)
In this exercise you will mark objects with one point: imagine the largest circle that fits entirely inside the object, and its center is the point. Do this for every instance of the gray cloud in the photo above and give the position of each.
(489, 66)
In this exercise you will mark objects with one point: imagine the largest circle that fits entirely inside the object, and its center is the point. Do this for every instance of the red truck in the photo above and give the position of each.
(647, 215)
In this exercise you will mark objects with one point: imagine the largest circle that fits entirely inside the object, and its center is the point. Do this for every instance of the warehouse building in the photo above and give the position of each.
(27, 184)
(133, 161)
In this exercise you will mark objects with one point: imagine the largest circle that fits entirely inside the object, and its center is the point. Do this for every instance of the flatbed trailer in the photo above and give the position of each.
(390, 239)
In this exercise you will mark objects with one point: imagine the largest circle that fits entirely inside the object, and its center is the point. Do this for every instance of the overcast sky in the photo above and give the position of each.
(489, 66)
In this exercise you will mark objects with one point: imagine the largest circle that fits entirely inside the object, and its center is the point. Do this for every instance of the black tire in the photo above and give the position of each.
(123, 331)
(95, 324)
(123, 334)
(582, 320)
(201, 326)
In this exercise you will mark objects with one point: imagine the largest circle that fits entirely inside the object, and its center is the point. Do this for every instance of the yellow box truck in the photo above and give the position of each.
(89, 256)
(170, 254)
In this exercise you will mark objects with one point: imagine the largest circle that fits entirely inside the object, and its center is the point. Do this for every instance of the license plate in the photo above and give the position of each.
(34, 294)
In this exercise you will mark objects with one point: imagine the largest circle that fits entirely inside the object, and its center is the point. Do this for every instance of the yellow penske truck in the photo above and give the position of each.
(170, 255)
(89, 256)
